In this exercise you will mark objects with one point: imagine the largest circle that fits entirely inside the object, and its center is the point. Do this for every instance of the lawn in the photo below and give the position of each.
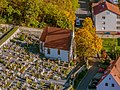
(111, 43)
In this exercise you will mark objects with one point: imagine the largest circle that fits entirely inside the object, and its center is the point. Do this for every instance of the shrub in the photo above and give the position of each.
(72, 63)
(52, 86)
(42, 24)
(22, 37)
(118, 39)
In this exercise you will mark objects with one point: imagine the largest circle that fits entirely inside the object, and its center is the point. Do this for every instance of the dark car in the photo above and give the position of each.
(92, 86)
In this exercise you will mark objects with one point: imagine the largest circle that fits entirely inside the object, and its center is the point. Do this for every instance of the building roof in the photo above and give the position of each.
(56, 38)
(102, 6)
(95, 4)
(114, 70)
(114, 1)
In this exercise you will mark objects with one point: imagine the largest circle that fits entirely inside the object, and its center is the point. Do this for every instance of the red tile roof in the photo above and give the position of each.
(114, 70)
(102, 6)
(56, 38)
(95, 4)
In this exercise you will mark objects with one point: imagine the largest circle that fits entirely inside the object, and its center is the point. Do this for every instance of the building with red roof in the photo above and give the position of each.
(111, 78)
(106, 16)
(56, 43)
(114, 1)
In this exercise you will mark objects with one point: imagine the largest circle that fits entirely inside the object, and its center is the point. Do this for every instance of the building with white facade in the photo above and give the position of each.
(56, 43)
(106, 17)
(114, 1)
(111, 78)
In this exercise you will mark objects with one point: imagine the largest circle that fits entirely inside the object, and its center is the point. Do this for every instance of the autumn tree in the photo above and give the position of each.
(104, 54)
(37, 13)
(3, 5)
(88, 44)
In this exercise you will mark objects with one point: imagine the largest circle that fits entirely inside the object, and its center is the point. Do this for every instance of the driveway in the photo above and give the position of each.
(88, 77)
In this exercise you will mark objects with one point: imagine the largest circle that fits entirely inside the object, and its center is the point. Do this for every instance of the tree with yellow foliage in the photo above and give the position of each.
(39, 13)
(88, 44)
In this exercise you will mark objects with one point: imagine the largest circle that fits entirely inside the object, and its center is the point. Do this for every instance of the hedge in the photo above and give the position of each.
(118, 41)
(11, 32)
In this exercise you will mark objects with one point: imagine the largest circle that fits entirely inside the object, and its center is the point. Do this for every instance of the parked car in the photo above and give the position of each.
(96, 79)
(92, 86)
(95, 82)
(77, 21)
(108, 33)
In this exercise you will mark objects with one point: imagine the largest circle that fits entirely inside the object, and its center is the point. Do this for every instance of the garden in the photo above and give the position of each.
(112, 47)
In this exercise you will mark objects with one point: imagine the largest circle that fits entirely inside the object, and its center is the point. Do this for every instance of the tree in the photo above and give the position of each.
(104, 54)
(88, 44)
(3, 6)
(38, 13)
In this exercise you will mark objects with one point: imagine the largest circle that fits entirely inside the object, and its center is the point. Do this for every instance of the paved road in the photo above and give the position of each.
(83, 11)
(86, 80)
(108, 36)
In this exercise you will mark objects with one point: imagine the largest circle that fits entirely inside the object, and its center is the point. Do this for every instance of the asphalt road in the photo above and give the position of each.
(83, 11)
(86, 80)
(108, 36)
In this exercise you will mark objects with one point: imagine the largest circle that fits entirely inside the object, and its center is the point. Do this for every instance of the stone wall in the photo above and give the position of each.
(35, 31)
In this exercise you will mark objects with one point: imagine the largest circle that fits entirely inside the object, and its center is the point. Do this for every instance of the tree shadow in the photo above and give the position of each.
(29, 47)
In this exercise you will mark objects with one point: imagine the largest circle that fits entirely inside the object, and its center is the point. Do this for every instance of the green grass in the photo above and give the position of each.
(8, 35)
(110, 43)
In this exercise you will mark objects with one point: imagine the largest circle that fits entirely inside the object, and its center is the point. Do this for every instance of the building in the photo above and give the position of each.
(57, 43)
(111, 1)
(106, 17)
(111, 78)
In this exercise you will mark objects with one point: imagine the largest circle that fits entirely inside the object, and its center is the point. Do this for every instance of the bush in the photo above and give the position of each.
(2, 61)
(72, 63)
(2, 20)
(118, 39)
(42, 24)
(106, 61)
(22, 37)
(52, 86)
